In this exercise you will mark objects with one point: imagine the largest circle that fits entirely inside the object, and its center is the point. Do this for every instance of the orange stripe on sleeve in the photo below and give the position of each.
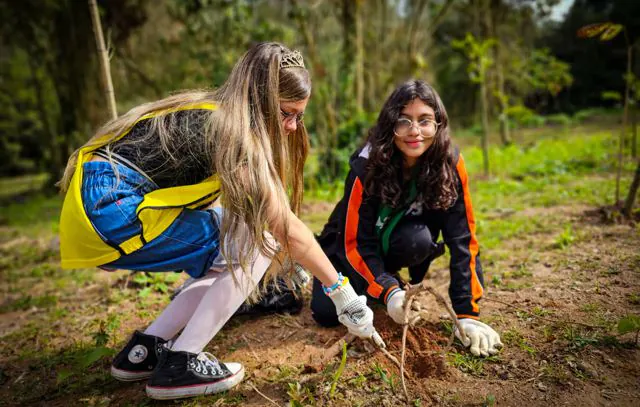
(386, 296)
(476, 287)
(350, 240)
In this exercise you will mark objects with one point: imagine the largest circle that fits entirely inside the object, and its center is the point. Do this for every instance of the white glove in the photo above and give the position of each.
(484, 341)
(353, 313)
(395, 306)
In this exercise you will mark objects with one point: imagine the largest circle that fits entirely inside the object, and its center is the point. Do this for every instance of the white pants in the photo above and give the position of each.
(203, 307)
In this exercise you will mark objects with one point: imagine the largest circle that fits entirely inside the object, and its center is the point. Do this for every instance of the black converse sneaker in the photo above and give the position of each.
(138, 358)
(184, 374)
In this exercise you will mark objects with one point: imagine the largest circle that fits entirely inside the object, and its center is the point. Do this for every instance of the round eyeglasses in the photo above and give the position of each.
(425, 126)
(287, 116)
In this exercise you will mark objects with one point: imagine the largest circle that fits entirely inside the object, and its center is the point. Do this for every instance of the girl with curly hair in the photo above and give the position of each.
(407, 186)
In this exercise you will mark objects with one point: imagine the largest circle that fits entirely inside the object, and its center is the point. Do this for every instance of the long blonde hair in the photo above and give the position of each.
(253, 157)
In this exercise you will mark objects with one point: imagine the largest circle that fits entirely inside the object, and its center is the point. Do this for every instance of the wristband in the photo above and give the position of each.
(342, 281)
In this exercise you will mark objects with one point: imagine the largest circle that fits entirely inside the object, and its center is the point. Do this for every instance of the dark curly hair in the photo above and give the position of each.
(436, 181)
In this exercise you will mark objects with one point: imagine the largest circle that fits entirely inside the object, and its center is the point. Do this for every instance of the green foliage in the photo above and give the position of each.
(523, 116)
(389, 379)
(566, 238)
(27, 302)
(578, 338)
(595, 114)
(575, 154)
(545, 72)
(560, 119)
(479, 54)
(611, 95)
(154, 282)
(630, 323)
(333, 160)
(21, 126)
(634, 298)
(299, 395)
(468, 363)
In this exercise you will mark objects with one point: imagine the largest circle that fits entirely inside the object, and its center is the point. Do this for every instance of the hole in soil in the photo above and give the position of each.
(424, 350)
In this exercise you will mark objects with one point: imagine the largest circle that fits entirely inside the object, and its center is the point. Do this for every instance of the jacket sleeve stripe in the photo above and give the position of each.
(476, 287)
(351, 243)
(389, 291)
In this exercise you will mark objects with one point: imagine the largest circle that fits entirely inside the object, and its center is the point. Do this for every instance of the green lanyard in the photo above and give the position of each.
(389, 217)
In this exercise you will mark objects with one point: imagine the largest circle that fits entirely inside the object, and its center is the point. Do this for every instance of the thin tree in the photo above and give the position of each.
(606, 32)
(479, 55)
(103, 57)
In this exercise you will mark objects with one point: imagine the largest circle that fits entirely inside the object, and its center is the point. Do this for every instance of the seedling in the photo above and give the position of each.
(338, 373)
(566, 238)
(467, 363)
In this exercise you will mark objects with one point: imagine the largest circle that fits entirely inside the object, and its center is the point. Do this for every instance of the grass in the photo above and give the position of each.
(467, 363)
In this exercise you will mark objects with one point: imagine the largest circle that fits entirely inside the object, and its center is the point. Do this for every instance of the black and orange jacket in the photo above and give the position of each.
(350, 240)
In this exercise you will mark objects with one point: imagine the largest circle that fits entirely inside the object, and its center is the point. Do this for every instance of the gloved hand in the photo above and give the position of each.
(354, 313)
(395, 306)
(484, 341)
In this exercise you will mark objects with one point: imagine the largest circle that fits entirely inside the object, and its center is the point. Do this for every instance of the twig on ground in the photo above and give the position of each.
(262, 394)
(126, 280)
(391, 357)
(336, 348)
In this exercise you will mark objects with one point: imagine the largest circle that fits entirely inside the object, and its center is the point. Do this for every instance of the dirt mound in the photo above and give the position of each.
(424, 355)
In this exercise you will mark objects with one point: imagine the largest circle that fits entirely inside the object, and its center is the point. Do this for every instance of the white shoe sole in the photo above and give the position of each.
(127, 376)
(170, 393)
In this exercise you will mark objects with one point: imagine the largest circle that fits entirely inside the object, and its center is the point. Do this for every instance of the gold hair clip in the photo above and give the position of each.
(292, 59)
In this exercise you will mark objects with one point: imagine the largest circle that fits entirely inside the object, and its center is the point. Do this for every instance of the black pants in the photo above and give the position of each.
(410, 245)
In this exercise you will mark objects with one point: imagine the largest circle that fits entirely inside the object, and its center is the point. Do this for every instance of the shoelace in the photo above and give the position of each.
(160, 347)
(206, 363)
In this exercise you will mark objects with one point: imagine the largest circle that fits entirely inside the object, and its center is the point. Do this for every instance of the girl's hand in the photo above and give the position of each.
(481, 338)
(354, 313)
(395, 306)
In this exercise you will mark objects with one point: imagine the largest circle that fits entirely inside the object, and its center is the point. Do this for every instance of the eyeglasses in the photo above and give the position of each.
(425, 126)
(287, 116)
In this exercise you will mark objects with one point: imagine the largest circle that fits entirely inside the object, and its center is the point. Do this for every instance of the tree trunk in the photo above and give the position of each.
(103, 56)
(633, 191)
(413, 52)
(348, 45)
(359, 57)
(485, 125)
(69, 60)
(324, 99)
(625, 116)
(634, 133)
(484, 100)
(493, 22)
